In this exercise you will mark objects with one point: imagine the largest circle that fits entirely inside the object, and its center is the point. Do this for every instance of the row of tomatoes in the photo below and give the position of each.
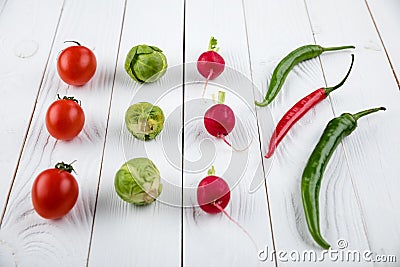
(55, 191)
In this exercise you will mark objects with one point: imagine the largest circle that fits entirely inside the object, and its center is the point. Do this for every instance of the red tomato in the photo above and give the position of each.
(54, 192)
(65, 119)
(76, 65)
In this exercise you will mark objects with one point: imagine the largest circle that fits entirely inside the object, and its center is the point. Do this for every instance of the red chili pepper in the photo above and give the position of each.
(298, 111)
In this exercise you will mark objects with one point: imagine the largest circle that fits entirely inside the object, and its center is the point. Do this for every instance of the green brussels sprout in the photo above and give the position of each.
(144, 120)
(138, 181)
(145, 63)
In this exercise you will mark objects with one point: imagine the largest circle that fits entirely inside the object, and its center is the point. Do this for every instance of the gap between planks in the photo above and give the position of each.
(32, 113)
(105, 134)
(383, 44)
(183, 123)
(259, 136)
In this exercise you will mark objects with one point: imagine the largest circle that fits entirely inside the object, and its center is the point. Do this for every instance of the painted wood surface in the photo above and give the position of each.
(359, 191)
(125, 235)
(39, 242)
(214, 235)
(24, 46)
(337, 199)
(386, 19)
(369, 151)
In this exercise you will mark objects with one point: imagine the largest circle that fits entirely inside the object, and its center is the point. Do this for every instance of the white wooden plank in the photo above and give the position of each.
(275, 29)
(2, 5)
(385, 16)
(214, 235)
(27, 31)
(371, 155)
(65, 242)
(123, 234)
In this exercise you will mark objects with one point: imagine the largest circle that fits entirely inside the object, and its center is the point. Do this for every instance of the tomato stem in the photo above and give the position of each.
(65, 166)
(75, 42)
(70, 98)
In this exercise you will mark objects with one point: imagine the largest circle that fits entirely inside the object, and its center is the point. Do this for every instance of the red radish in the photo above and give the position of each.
(213, 195)
(210, 64)
(219, 120)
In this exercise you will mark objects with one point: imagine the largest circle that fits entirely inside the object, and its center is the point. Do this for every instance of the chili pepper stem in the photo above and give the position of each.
(366, 112)
(328, 90)
(335, 48)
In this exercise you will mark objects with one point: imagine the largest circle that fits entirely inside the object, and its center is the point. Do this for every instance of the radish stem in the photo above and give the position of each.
(226, 142)
(237, 224)
(211, 171)
(235, 148)
(212, 45)
(221, 97)
(205, 85)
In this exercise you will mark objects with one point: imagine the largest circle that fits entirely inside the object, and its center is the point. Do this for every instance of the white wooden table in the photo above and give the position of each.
(359, 195)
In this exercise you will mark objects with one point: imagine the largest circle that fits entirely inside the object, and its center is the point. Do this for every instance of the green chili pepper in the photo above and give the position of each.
(335, 131)
(287, 64)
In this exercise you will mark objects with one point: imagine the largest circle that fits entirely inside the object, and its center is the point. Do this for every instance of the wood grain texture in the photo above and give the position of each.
(35, 241)
(124, 234)
(268, 24)
(224, 243)
(386, 19)
(24, 51)
(371, 155)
